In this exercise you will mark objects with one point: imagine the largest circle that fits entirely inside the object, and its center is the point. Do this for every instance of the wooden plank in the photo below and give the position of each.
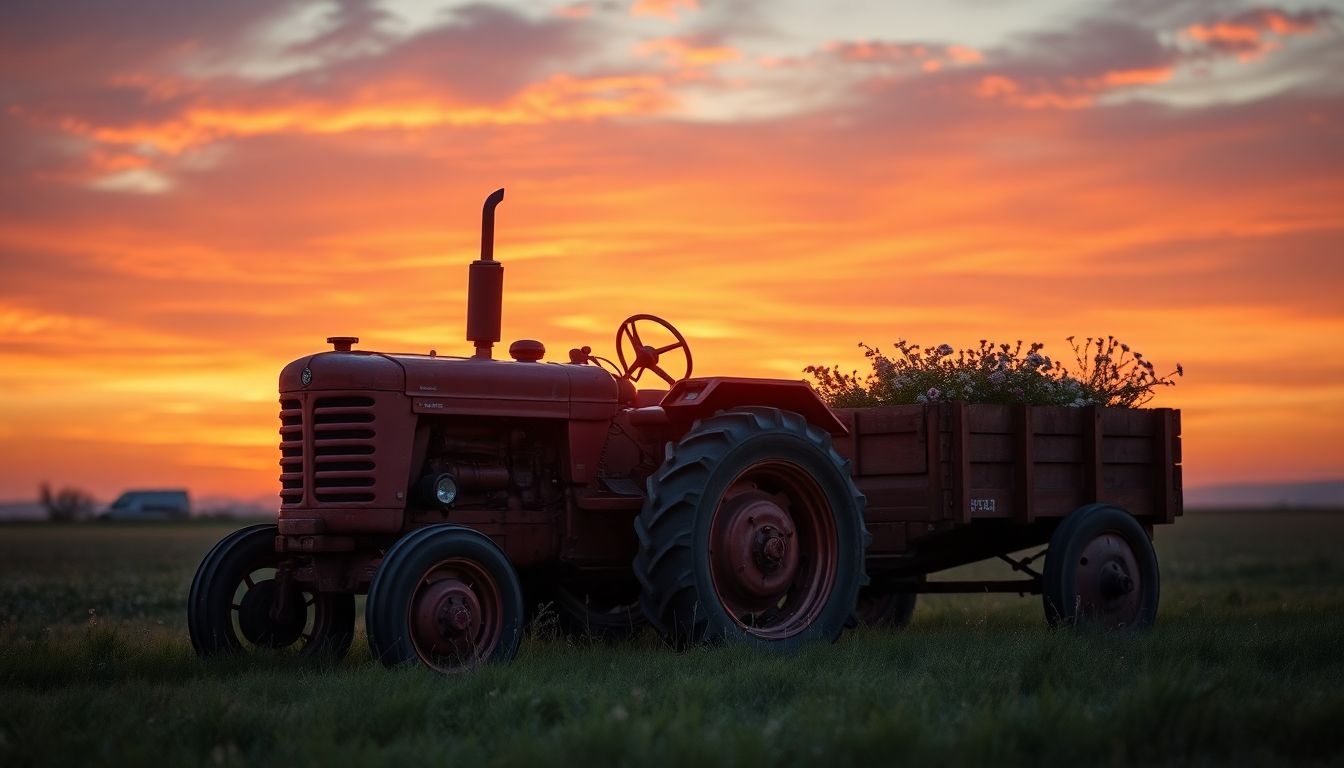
(890, 420)
(1092, 435)
(1127, 477)
(1127, 422)
(990, 419)
(1057, 420)
(993, 447)
(961, 463)
(848, 446)
(1122, 449)
(1056, 449)
(933, 431)
(1164, 501)
(1056, 502)
(1024, 468)
(997, 474)
(891, 454)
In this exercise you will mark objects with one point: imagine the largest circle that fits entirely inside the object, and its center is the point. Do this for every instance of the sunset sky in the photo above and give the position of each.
(193, 194)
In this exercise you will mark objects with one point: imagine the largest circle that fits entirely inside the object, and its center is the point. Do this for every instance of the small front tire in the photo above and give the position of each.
(235, 588)
(447, 597)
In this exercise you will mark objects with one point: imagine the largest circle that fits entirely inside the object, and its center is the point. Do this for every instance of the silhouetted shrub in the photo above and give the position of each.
(67, 504)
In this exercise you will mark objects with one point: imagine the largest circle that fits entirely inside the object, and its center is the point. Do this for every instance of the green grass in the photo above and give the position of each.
(1246, 665)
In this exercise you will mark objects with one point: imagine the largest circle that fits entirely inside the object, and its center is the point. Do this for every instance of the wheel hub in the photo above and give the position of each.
(755, 549)
(447, 615)
(256, 624)
(1107, 581)
(1114, 582)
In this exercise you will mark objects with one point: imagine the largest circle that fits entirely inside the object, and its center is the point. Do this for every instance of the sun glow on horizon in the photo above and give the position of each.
(182, 219)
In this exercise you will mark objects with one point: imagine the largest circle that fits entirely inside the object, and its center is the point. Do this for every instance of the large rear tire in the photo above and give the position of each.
(752, 532)
(447, 597)
(236, 585)
(1100, 571)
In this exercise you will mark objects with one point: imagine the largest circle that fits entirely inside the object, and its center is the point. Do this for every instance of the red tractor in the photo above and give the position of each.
(458, 491)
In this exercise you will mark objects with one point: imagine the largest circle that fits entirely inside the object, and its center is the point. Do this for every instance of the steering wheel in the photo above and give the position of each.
(643, 357)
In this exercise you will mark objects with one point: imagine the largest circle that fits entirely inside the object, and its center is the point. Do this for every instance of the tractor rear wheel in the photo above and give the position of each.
(1100, 571)
(445, 596)
(752, 532)
(235, 589)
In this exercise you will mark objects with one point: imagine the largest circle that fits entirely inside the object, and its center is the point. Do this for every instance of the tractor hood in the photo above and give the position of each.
(344, 371)
(463, 385)
(501, 388)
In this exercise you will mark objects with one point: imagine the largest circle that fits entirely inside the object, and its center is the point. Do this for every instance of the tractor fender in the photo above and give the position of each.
(692, 399)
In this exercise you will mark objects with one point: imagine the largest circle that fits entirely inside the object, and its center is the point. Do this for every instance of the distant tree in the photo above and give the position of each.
(67, 504)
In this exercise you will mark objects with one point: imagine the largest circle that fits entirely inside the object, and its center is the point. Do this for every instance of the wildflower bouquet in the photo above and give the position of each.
(1107, 372)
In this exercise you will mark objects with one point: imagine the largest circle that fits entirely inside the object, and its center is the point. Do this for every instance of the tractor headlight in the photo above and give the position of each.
(445, 489)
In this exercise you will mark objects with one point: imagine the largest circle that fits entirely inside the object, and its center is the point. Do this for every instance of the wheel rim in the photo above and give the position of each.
(456, 616)
(1109, 582)
(253, 597)
(773, 550)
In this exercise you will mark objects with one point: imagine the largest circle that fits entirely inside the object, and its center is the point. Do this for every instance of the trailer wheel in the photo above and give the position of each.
(229, 608)
(1100, 571)
(885, 609)
(752, 532)
(445, 596)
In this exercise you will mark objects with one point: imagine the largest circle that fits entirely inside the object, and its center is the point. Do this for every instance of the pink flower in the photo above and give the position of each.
(933, 393)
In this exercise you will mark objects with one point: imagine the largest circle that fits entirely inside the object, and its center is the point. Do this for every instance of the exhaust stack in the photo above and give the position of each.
(485, 285)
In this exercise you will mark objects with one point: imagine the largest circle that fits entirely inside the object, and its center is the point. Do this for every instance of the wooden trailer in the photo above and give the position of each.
(953, 483)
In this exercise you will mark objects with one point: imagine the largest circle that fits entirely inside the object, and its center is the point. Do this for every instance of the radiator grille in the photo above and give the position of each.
(291, 452)
(340, 431)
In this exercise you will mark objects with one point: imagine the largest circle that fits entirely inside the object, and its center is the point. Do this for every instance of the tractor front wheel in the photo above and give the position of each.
(752, 532)
(445, 596)
(232, 605)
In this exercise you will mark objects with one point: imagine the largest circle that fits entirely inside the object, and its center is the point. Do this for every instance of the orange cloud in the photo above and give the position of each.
(665, 9)
(931, 58)
(558, 98)
(1126, 77)
(575, 11)
(1069, 92)
(684, 52)
(1246, 34)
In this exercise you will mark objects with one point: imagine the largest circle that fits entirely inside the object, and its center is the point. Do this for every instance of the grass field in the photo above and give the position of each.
(1245, 666)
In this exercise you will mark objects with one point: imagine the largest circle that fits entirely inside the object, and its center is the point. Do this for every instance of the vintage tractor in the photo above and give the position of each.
(458, 492)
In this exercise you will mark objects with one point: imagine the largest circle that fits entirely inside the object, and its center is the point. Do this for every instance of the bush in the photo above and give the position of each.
(67, 504)
(1108, 373)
